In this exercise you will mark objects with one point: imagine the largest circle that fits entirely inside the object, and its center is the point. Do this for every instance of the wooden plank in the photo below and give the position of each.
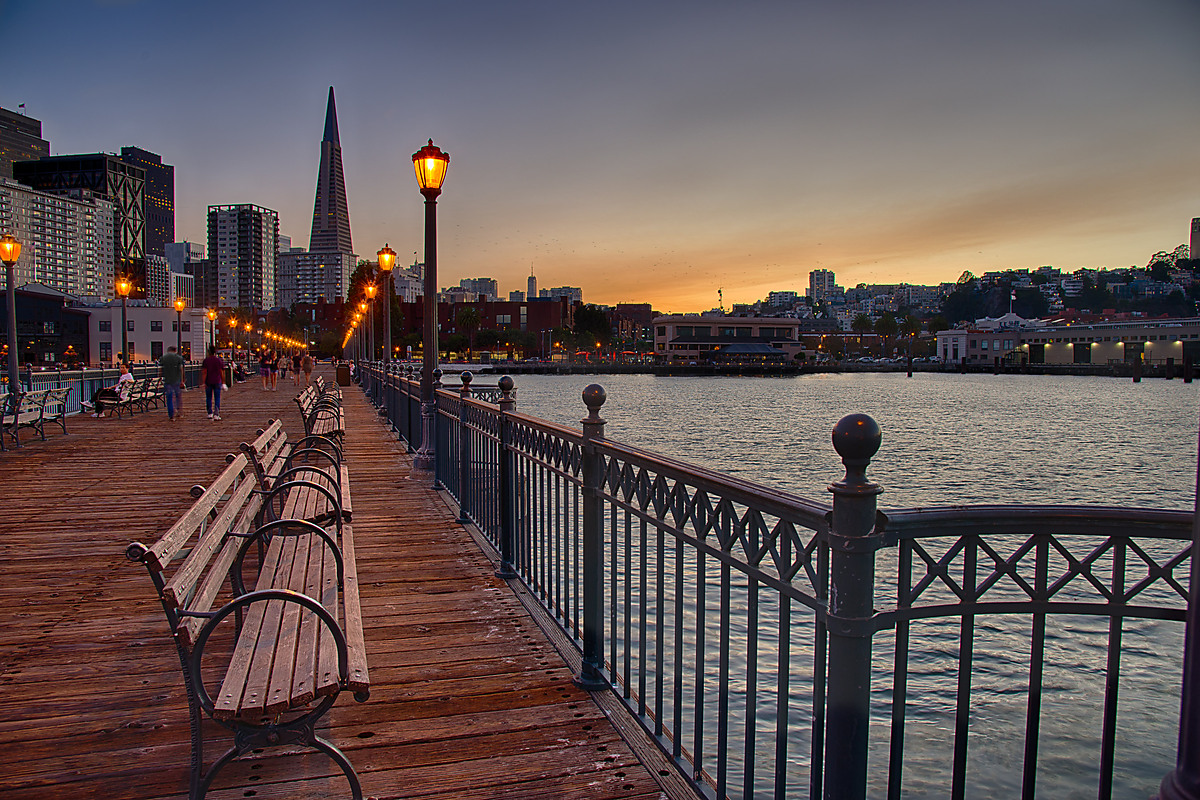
(357, 677)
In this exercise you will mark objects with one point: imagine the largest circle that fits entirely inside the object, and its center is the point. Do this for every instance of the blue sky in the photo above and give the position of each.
(655, 151)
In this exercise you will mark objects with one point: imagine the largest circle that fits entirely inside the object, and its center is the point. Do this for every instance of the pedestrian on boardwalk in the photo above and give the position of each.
(107, 395)
(171, 369)
(213, 370)
(296, 368)
(273, 368)
(306, 364)
(264, 369)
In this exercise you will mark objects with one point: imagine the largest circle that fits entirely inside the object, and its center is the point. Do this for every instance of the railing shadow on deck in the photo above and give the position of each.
(777, 646)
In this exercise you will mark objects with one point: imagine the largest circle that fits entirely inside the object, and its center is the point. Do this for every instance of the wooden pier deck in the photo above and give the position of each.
(469, 697)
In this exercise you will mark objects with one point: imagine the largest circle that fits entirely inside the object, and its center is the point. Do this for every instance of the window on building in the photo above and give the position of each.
(130, 326)
(106, 351)
(156, 350)
(983, 344)
(48, 327)
(106, 326)
(187, 326)
(662, 330)
(156, 325)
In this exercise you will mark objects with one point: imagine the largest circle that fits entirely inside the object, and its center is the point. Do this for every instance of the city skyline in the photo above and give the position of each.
(702, 148)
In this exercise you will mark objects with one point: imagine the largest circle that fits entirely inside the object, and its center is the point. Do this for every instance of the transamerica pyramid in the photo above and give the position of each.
(331, 215)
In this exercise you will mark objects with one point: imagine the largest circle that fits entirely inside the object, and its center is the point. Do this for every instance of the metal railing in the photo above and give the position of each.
(779, 647)
(84, 382)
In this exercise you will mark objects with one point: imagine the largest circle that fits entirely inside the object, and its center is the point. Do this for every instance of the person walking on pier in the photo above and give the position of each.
(213, 369)
(171, 365)
(306, 364)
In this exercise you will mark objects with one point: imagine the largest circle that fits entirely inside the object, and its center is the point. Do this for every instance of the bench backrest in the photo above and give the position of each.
(200, 542)
(56, 402)
(31, 407)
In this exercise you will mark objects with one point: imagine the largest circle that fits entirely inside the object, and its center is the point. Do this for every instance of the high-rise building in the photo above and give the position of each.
(242, 242)
(531, 285)
(1194, 244)
(331, 214)
(572, 294)
(68, 240)
(109, 177)
(304, 277)
(180, 253)
(20, 140)
(481, 286)
(160, 197)
(322, 273)
(821, 285)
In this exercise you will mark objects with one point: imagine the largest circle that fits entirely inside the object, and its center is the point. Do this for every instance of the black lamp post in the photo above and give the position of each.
(123, 287)
(10, 251)
(430, 165)
(212, 328)
(387, 260)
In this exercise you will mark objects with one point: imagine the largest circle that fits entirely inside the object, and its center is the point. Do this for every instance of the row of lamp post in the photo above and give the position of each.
(429, 164)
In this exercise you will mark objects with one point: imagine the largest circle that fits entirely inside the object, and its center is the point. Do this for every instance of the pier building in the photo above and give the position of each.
(1159, 341)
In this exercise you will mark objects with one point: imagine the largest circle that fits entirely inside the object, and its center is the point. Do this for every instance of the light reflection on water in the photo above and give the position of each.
(952, 439)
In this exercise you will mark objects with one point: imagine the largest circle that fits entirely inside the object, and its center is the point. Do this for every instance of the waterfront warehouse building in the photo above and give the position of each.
(68, 240)
(242, 241)
(702, 339)
(152, 329)
(1155, 341)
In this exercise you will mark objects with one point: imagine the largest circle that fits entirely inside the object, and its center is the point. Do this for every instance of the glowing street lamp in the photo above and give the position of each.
(212, 327)
(179, 306)
(10, 251)
(123, 287)
(371, 290)
(430, 165)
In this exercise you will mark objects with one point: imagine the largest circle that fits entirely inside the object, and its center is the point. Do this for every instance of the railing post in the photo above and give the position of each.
(431, 423)
(852, 541)
(464, 448)
(508, 503)
(1183, 783)
(591, 670)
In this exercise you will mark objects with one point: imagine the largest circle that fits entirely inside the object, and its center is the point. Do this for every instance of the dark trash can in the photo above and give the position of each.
(343, 374)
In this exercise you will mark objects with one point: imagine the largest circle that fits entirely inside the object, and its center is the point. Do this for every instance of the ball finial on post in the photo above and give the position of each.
(856, 437)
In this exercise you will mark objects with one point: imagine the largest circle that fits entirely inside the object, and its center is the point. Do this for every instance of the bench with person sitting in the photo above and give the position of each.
(117, 396)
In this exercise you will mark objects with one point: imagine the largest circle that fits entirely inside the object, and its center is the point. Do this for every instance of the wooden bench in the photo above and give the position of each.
(149, 391)
(285, 642)
(6, 413)
(127, 402)
(30, 407)
(312, 468)
(55, 409)
(322, 414)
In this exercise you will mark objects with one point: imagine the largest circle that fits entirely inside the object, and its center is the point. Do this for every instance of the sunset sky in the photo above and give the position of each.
(655, 151)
